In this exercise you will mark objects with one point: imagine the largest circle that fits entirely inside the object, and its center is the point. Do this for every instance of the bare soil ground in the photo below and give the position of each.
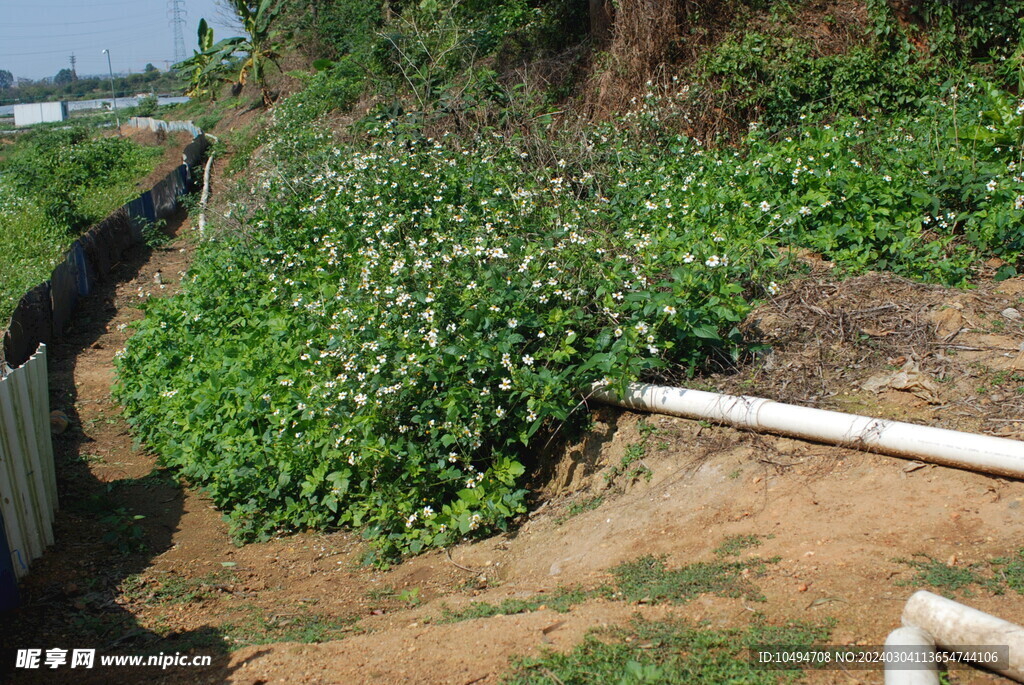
(143, 564)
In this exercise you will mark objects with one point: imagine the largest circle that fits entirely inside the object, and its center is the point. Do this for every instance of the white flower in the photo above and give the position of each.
(688, 258)
(1019, 202)
(506, 384)
(670, 310)
(773, 288)
(512, 323)
(528, 360)
(499, 412)
(765, 206)
(713, 261)
(991, 185)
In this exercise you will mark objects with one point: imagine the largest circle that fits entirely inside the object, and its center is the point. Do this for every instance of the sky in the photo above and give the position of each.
(38, 37)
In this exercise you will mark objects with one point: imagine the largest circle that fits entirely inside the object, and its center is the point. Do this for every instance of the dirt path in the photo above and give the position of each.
(144, 565)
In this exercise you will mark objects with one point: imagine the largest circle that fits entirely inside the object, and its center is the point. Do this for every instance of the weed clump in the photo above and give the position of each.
(672, 651)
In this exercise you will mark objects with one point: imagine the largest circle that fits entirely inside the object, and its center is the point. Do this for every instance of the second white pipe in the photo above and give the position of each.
(956, 627)
(985, 453)
(910, 658)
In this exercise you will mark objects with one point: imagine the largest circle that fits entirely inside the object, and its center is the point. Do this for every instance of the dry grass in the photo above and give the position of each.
(653, 41)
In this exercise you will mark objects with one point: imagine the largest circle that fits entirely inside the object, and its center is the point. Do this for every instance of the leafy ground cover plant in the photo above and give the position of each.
(406, 316)
(398, 331)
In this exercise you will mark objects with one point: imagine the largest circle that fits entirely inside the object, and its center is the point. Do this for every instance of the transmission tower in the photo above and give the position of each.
(74, 73)
(177, 13)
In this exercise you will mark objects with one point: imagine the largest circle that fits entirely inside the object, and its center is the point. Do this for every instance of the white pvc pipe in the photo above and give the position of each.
(986, 453)
(205, 197)
(956, 626)
(906, 646)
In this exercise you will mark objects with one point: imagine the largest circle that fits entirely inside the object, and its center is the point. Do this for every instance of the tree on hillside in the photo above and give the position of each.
(64, 77)
(150, 68)
(6, 79)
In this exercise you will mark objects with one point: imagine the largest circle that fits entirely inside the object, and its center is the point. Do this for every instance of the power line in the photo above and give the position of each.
(104, 32)
(75, 6)
(45, 24)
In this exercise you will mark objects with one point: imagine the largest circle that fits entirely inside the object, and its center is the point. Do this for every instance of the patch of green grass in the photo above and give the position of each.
(410, 597)
(648, 580)
(379, 593)
(173, 589)
(1010, 571)
(244, 144)
(634, 453)
(734, 544)
(645, 580)
(124, 532)
(260, 628)
(952, 579)
(672, 651)
(646, 429)
(54, 184)
(580, 506)
(561, 600)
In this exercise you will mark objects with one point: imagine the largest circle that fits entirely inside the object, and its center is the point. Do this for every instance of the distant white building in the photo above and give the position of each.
(39, 112)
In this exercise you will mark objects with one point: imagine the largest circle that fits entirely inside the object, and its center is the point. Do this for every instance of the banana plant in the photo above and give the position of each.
(240, 59)
(201, 79)
(250, 56)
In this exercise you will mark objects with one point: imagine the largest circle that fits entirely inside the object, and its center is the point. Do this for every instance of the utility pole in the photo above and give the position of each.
(113, 95)
(176, 10)
(74, 74)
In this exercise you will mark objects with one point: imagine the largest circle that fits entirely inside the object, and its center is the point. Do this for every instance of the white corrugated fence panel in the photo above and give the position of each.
(28, 486)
